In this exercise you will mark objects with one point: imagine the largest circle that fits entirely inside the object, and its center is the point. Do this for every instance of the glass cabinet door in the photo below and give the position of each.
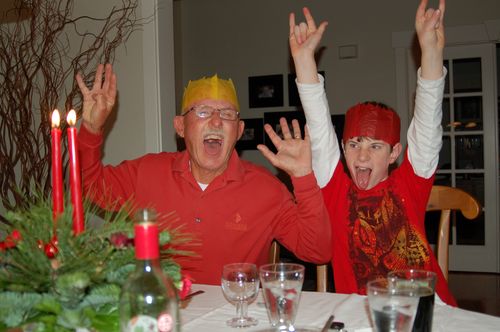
(469, 157)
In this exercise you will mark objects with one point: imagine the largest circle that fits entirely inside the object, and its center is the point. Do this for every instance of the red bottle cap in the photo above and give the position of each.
(146, 240)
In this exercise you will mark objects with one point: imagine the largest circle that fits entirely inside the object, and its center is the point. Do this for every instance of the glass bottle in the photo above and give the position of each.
(148, 301)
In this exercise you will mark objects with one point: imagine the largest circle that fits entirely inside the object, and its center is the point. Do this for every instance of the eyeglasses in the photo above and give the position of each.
(205, 112)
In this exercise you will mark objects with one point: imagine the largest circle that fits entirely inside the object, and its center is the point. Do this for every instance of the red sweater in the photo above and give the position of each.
(234, 220)
(380, 230)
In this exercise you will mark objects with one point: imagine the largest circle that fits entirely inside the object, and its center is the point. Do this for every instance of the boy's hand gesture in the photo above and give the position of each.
(98, 102)
(304, 39)
(430, 31)
(294, 153)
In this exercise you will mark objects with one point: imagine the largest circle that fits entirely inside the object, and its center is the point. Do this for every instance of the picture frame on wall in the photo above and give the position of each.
(265, 91)
(293, 93)
(253, 135)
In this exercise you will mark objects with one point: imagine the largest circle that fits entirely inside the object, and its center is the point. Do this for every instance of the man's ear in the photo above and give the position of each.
(179, 125)
(241, 128)
(396, 151)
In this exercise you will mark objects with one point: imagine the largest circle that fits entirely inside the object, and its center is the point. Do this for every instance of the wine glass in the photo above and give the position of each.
(392, 306)
(240, 285)
(282, 286)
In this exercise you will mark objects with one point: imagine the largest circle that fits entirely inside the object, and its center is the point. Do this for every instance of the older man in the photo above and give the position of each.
(233, 208)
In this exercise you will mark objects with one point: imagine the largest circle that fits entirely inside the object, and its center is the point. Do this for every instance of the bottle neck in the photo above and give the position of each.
(148, 265)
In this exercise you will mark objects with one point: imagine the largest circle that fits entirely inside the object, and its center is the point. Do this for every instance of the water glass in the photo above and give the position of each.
(392, 308)
(426, 283)
(240, 285)
(281, 287)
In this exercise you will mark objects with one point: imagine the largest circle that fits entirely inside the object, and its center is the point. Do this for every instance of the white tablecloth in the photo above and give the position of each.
(210, 311)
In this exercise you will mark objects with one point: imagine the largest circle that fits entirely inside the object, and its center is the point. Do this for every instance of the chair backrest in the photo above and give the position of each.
(445, 199)
(321, 270)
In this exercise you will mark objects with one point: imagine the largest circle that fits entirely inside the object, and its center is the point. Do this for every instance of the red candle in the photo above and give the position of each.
(57, 178)
(74, 175)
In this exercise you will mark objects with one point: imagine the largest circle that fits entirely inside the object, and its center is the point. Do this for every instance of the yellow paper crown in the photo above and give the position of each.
(209, 88)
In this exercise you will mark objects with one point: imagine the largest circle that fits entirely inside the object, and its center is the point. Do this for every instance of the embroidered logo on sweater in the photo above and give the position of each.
(236, 223)
(381, 238)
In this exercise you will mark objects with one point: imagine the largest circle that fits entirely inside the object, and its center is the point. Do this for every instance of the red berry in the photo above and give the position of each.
(16, 235)
(50, 250)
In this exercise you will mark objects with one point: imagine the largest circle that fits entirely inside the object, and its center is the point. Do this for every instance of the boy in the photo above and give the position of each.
(377, 216)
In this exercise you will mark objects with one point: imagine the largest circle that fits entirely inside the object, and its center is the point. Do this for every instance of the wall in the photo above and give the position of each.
(238, 38)
(142, 122)
(125, 139)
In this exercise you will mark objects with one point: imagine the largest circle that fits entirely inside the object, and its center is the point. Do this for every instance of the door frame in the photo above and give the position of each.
(159, 75)
(405, 45)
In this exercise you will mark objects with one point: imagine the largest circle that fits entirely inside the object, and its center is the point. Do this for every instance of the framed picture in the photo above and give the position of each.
(253, 135)
(265, 91)
(293, 93)
(273, 119)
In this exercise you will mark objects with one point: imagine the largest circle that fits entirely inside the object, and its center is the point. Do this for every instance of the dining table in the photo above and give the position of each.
(210, 310)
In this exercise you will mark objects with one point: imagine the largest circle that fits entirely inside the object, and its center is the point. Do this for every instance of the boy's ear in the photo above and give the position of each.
(396, 151)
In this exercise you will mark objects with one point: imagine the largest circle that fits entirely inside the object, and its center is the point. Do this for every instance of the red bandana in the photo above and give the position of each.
(368, 120)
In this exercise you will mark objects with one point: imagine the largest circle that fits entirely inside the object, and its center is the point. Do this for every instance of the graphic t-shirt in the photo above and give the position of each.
(379, 230)
(381, 239)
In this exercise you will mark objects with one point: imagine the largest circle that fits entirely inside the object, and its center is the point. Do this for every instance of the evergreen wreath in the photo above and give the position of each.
(51, 280)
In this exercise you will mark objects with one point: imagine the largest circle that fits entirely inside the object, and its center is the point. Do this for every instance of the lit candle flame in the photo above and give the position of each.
(71, 118)
(56, 119)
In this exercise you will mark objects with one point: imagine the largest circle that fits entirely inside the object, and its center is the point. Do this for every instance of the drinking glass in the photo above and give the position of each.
(426, 283)
(240, 285)
(282, 286)
(392, 308)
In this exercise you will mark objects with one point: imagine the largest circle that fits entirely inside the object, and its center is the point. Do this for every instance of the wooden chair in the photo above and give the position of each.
(321, 270)
(445, 199)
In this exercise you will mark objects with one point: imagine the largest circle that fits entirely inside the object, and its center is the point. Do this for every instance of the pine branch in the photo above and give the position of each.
(79, 286)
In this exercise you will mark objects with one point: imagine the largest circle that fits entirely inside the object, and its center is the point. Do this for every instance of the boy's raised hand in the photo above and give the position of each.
(304, 39)
(305, 36)
(430, 31)
(99, 101)
(294, 153)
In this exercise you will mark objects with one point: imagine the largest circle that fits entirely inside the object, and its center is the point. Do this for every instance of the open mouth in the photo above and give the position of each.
(363, 177)
(213, 144)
